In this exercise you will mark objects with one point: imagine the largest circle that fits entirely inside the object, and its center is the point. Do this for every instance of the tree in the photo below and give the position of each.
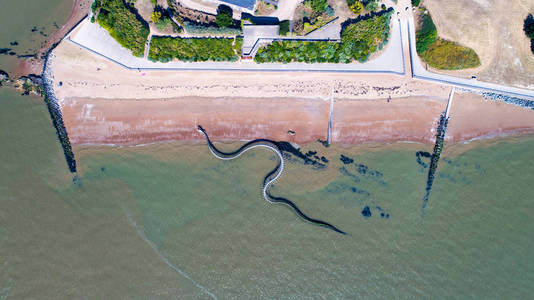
(357, 7)
(224, 16)
(155, 16)
(528, 26)
(416, 2)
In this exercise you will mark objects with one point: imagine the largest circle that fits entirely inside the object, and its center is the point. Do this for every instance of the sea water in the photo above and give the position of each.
(26, 24)
(172, 221)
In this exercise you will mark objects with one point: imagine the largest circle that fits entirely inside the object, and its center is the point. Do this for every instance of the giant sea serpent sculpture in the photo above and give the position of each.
(270, 177)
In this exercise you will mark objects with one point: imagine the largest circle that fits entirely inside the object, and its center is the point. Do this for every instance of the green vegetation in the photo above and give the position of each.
(358, 40)
(224, 16)
(318, 6)
(165, 49)
(426, 35)
(154, 2)
(439, 53)
(194, 28)
(356, 8)
(416, 2)
(284, 27)
(166, 24)
(371, 5)
(156, 15)
(528, 27)
(122, 23)
(447, 55)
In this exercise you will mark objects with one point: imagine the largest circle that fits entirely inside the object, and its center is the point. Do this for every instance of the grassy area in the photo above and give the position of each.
(427, 34)
(440, 53)
(165, 49)
(447, 55)
(122, 23)
(359, 39)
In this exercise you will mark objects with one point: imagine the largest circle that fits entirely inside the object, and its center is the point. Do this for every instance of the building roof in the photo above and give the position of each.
(248, 4)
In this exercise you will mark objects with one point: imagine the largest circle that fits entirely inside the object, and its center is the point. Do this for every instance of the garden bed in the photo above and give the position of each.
(165, 49)
(123, 24)
(359, 39)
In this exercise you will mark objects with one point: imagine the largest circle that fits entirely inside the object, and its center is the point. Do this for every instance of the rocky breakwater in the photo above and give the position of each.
(47, 80)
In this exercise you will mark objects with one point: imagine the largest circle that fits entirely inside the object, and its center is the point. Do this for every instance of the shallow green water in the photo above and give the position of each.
(109, 233)
(28, 22)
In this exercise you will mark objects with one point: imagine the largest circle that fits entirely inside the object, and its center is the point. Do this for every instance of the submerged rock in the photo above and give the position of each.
(366, 212)
(3, 76)
(346, 160)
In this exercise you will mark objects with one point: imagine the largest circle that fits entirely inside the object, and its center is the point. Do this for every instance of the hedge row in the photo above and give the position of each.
(165, 49)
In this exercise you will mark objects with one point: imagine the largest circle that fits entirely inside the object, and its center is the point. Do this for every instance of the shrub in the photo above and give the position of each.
(284, 27)
(195, 28)
(447, 55)
(357, 7)
(224, 16)
(154, 2)
(165, 49)
(416, 2)
(371, 5)
(155, 16)
(329, 11)
(426, 35)
(528, 26)
(358, 41)
(123, 24)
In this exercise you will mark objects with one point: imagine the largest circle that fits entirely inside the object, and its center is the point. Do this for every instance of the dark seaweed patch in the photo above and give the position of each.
(346, 172)
(360, 191)
(422, 154)
(346, 160)
(310, 153)
(5, 51)
(366, 212)
(288, 150)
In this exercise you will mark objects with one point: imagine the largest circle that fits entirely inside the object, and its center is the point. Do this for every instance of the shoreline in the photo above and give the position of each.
(79, 9)
(104, 104)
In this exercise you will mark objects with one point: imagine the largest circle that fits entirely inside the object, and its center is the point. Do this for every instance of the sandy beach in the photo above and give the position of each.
(104, 103)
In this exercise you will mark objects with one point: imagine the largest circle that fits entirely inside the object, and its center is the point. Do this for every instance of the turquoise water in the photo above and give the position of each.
(138, 220)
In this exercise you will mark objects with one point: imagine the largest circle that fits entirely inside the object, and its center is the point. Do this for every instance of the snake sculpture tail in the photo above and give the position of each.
(270, 177)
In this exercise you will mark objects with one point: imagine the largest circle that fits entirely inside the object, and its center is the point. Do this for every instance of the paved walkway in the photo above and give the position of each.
(286, 9)
(399, 58)
(417, 71)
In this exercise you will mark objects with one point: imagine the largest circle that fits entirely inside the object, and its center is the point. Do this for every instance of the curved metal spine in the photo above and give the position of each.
(272, 176)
